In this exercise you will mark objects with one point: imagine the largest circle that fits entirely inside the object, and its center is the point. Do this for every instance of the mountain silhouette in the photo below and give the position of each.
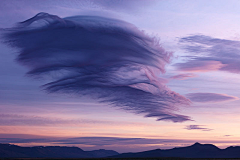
(196, 150)
(13, 151)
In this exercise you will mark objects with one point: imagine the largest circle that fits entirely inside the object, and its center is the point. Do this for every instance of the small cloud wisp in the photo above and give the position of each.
(210, 97)
(183, 76)
(105, 59)
(197, 127)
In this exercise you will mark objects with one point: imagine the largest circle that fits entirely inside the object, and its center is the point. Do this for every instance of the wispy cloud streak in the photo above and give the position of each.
(105, 59)
(104, 141)
(23, 120)
(197, 127)
(124, 5)
(209, 54)
(96, 141)
(183, 76)
(210, 97)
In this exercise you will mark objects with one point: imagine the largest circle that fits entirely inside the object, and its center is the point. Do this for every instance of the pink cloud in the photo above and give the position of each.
(183, 76)
(199, 66)
(209, 54)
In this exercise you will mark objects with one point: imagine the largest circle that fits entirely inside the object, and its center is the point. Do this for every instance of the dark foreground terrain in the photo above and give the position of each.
(14, 151)
(195, 151)
(121, 158)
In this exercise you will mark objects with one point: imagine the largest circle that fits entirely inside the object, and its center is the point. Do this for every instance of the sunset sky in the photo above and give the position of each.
(184, 89)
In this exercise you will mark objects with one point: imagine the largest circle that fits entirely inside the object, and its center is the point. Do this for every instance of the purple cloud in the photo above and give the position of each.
(106, 59)
(210, 54)
(23, 120)
(183, 76)
(116, 143)
(124, 5)
(209, 97)
(197, 127)
(96, 141)
(199, 66)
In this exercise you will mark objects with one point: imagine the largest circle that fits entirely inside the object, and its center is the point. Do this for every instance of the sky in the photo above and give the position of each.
(119, 74)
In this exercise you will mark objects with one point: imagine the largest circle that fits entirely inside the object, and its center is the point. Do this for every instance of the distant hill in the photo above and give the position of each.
(196, 150)
(13, 151)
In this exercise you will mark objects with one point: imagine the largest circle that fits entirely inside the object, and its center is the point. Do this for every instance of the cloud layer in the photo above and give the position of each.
(209, 97)
(103, 142)
(124, 5)
(183, 76)
(23, 120)
(197, 127)
(210, 54)
(106, 59)
(96, 141)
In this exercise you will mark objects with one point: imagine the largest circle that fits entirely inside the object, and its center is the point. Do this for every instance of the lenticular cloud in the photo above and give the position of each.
(105, 59)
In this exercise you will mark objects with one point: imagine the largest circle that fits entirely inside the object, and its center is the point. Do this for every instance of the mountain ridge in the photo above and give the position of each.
(196, 150)
(14, 151)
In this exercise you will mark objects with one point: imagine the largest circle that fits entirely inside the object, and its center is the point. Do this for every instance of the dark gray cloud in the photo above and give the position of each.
(197, 127)
(209, 97)
(106, 59)
(183, 76)
(210, 54)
